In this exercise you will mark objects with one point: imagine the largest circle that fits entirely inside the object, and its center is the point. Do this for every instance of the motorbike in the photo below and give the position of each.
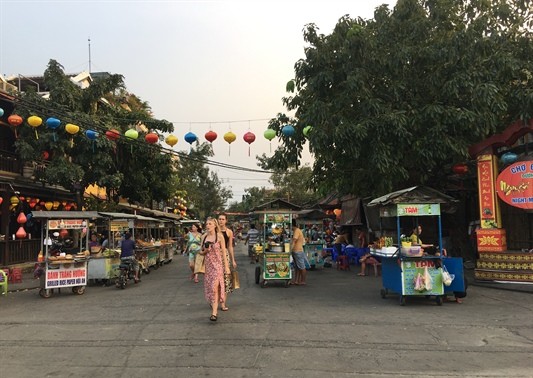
(126, 273)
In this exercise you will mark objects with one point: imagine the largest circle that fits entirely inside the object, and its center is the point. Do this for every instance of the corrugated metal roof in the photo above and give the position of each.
(66, 214)
(414, 194)
(117, 215)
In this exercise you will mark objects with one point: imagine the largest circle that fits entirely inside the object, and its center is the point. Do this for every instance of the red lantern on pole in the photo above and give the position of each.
(460, 168)
(151, 138)
(14, 120)
(210, 136)
(112, 135)
(249, 138)
(21, 219)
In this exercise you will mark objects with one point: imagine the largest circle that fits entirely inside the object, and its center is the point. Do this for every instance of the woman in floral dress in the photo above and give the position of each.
(216, 265)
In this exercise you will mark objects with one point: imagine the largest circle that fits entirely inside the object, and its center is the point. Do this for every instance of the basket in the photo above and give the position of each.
(413, 251)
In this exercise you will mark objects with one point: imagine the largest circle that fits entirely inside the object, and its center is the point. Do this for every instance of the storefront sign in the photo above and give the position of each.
(277, 218)
(120, 225)
(491, 240)
(416, 210)
(412, 268)
(488, 207)
(277, 265)
(66, 275)
(68, 224)
(514, 185)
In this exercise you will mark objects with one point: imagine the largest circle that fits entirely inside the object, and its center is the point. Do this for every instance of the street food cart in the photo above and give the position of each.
(315, 255)
(64, 266)
(274, 259)
(406, 269)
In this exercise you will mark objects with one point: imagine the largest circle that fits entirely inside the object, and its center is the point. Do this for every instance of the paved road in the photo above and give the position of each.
(336, 326)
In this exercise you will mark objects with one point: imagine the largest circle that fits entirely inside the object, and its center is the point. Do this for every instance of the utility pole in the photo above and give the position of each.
(89, 41)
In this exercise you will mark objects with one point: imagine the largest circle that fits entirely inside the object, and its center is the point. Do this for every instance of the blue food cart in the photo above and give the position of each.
(406, 269)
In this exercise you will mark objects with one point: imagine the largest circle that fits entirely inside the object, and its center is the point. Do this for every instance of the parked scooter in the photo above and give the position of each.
(126, 273)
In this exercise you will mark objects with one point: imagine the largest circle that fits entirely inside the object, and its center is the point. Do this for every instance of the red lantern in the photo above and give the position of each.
(14, 120)
(21, 219)
(68, 206)
(210, 136)
(249, 138)
(21, 233)
(1, 200)
(46, 155)
(151, 138)
(112, 135)
(63, 233)
(460, 168)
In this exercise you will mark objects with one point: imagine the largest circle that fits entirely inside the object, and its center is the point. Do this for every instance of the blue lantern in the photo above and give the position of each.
(288, 130)
(190, 137)
(52, 123)
(91, 134)
(1, 112)
(509, 158)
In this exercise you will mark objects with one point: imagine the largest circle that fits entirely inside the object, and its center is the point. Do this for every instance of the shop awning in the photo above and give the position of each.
(65, 215)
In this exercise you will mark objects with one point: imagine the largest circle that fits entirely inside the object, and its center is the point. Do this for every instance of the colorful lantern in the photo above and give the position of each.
(210, 136)
(1, 200)
(460, 169)
(21, 233)
(63, 233)
(53, 124)
(14, 120)
(131, 134)
(288, 130)
(112, 134)
(1, 112)
(171, 140)
(71, 128)
(190, 137)
(509, 158)
(55, 205)
(230, 138)
(249, 138)
(14, 200)
(307, 130)
(91, 134)
(35, 122)
(21, 219)
(48, 205)
(151, 138)
(45, 155)
(270, 134)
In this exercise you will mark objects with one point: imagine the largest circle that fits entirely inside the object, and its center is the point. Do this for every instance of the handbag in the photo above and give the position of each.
(199, 264)
(235, 280)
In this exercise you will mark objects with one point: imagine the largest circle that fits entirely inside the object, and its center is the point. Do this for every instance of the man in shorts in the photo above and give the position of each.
(297, 249)
(251, 239)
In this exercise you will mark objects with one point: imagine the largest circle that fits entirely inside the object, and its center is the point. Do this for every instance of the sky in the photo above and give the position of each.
(215, 65)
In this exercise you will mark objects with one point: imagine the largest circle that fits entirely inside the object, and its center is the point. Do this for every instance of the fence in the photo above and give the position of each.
(18, 251)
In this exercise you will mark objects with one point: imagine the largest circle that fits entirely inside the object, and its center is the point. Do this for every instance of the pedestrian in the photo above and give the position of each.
(230, 253)
(252, 237)
(297, 249)
(127, 253)
(193, 247)
(216, 266)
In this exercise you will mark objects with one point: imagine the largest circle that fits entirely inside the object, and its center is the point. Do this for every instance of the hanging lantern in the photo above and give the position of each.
(14, 120)
(307, 130)
(171, 140)
(52, 123)
(460, 169)
(32, 203)
(509, 158)
(45, 155)
(1, 112)
(55, 205)
(190, 137)
(91, 134)
(63, 233)
(288, 130)
(230, 138)
(68, 206)
(35, 122)
(1, 200)
(14, 200)
(337, 213)
(21, 219)
(21, 233)
(48, 205)
(210, 136)
(131, 134)
(270, 134)
(112, 135)
(71, 128)
(249, 138)
(151, 138)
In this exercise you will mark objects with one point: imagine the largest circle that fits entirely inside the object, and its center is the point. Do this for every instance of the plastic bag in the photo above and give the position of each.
(447, 278)
(419, 282)
(428, 282)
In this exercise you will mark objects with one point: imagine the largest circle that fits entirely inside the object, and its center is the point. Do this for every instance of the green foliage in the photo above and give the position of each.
(396, 100)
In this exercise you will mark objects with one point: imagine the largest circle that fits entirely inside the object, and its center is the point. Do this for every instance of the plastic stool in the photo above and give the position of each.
(3, 282)
(16, 275)
(343, 263)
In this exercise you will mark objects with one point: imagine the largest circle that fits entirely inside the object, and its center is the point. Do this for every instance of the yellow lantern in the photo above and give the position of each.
(35, 122)
(72, 129)
(55, 205)
(171, 140)
(48, 205)
(230, 138)
(14, 200)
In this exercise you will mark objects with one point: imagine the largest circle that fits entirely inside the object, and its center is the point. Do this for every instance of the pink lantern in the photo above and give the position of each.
(21, 219)
(21, 233)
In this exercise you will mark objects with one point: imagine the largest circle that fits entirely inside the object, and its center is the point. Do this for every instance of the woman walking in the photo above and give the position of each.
(216, 265)
(194, 238)
(230, 255)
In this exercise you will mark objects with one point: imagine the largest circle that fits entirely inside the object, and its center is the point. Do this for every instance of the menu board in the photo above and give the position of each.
(412, 268)
(277, 265)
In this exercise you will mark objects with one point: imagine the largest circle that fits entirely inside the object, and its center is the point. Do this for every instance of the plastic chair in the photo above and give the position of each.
(343, 263)
(3, 281)
(16, 275)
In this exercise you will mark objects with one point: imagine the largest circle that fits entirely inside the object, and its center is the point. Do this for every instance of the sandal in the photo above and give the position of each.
(213, 318)
(224, 308)
(361, 274)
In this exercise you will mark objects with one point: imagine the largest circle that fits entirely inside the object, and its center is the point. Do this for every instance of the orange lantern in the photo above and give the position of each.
(48, 205)
(21, 233)
(21, 219)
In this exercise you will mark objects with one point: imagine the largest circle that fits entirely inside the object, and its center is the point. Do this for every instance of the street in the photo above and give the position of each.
(336, 326)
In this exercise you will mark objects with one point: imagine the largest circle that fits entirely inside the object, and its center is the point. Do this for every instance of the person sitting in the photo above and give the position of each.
(366, 259)
(427, 249)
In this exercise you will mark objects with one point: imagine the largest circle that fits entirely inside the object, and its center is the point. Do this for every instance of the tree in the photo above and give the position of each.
(396, 100)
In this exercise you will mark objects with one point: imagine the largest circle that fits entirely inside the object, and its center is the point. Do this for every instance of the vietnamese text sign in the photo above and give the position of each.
(410, 270)
(277, 265)
(66, 276)
(514, 185)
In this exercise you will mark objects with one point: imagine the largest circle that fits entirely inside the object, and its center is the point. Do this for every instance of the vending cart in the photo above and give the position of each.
(407, 269)
(64, 238)
(274, 261)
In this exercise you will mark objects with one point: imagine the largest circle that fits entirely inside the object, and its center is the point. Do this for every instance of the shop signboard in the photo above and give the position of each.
(488, 206)
(514, 185)
(67, 224)
(120, 225)
(277, 265)
(412, 268)
(66, 275)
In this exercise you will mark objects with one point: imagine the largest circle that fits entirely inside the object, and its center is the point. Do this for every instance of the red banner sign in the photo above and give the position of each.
(514, 185)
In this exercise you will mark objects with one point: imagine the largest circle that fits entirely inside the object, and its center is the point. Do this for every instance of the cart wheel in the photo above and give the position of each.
(438, 299)
(287, 283)
(402, 300)
(45, 293)
(263, 284)
(107, 283)
(156, 266)
(257, 274)
(383, 293)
